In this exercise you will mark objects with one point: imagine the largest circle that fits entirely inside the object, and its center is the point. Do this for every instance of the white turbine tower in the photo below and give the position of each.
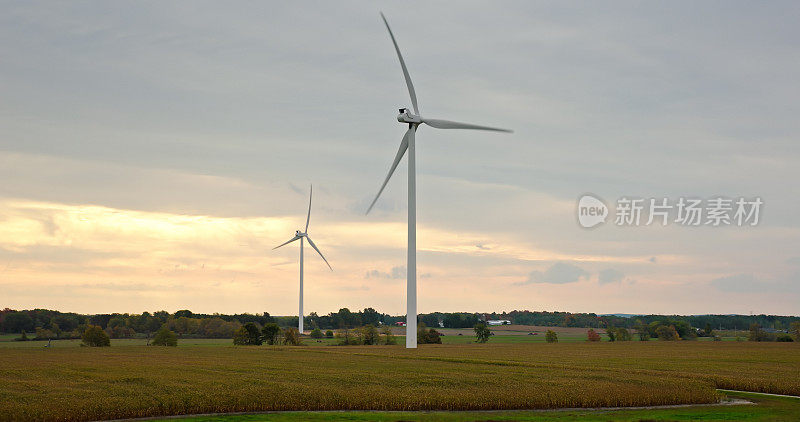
(414, 120)
(301, 236)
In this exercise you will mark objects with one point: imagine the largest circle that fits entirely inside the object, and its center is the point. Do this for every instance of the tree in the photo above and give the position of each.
(23, 337)
(431, 320)
(165, 337)
(316, 333)
(795, 330)
(667, 333)
(291, 337)
(247, 335)
(682, 329)
(388, 337)
(551, 336)
(94, 336)
(611, 332)
(592, 335)
(641, 330)
(44, 334)
(369, 334)
(460, 320)
(184, 313)
(482, 332)
(54, 328)
(623, 334)
(161, 316)
(370, 316)
(217, 327)
(17, 321)
(240, 337)
(757, 334)
(184, 325)
(346, 318)
(346, 337)
(428, 336)
(271, 332)
(329, 334)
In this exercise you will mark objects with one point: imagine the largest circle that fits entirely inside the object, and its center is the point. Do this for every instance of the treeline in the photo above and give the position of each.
(54, 324)
(345, 318)
(591, 320)
(716, 322)
(48, 324)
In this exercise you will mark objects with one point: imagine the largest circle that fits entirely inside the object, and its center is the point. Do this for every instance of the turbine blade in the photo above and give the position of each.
(447, 124)
(400, 153)
(403, 65)
(311, 242)
(287, 242)
(310, 192)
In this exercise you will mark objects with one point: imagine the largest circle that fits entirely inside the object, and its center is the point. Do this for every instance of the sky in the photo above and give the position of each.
(153, 153)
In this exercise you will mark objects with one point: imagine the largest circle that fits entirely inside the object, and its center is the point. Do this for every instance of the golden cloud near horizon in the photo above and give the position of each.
(150, 253)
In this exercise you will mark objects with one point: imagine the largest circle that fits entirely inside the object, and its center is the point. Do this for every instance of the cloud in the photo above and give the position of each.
(737, 283)
(130, 287)
(395, 273)
(748, 283)
(558, 273)
(351, 288)
(385, 204)
(297, 189)
(610, 275)
(228, 131)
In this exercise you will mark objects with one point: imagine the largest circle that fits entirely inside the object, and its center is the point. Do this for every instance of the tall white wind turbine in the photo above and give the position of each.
(298, 235)
(414, 120)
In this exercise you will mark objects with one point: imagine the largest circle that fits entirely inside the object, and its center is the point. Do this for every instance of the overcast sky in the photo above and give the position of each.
(152, 154)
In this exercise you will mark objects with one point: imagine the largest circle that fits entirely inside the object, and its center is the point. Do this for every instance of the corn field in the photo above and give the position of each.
(138, 381)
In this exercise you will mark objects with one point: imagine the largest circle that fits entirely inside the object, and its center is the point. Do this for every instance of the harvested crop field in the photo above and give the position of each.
(133, 381)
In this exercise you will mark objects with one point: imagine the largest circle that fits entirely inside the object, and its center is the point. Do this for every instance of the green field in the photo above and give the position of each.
(80, 383)
(762, 409)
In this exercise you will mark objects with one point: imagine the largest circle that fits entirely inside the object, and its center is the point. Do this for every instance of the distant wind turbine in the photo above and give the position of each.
(414, 120)
(304, 235)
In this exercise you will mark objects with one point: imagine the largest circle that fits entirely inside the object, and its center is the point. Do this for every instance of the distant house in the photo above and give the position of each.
(400, 324)
(498, 322)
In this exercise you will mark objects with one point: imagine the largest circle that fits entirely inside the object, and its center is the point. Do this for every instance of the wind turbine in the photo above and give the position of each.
(301, 236)
(414, 120)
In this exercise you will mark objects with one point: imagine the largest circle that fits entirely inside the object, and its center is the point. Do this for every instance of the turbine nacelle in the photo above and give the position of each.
(406, 116)
(298, 233)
